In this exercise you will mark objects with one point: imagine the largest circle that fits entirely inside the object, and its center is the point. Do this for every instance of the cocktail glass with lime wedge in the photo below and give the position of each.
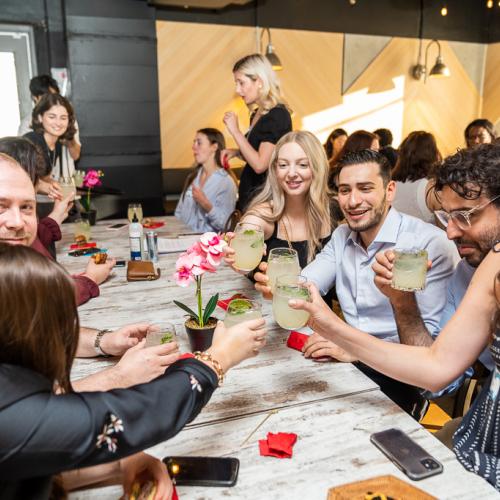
(240, 310)
(290, 287)
(160, 333)
(248, 244)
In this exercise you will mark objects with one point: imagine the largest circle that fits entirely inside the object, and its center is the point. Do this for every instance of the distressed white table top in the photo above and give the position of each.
(333, 448)
(332, 407)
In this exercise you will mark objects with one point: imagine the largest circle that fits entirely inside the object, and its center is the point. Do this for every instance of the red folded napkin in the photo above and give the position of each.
(186, 355)
(297, 340)
(223, 303)
(175, 496)
(154, 225)
(81, 246)
(279, 445)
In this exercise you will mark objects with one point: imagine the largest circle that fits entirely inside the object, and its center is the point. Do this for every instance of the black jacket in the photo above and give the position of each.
(42, 434)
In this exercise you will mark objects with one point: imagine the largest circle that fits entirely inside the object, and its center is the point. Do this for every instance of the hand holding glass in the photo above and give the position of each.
(290, 287)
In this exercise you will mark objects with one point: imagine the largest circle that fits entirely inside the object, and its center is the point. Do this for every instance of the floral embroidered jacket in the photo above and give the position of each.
(42, 434)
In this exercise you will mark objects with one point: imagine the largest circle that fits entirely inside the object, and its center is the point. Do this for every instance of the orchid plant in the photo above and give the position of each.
(204, 256)
(92, 179)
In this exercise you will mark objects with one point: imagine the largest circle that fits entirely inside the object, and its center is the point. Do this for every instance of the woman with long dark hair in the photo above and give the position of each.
(209, 194)
(45, 427)
(418, 158)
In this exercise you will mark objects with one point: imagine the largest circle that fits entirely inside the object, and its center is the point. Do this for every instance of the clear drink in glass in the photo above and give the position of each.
(67, 186)
(290, 287)
(240, 310)
(248, 244)
(410, 269)
(282, 261)
(135, 208)
(160, 333)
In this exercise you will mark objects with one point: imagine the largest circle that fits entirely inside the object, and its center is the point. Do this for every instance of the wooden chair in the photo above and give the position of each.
(232, 220)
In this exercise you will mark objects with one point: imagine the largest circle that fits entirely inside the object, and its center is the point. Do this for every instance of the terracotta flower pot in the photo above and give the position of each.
(90, 215)
(200, 338)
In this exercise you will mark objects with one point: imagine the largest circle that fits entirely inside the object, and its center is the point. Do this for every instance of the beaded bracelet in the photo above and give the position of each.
(205, 356)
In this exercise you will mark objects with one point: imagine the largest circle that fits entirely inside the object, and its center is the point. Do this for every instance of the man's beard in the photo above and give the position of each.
(483, 245)
(378, 215)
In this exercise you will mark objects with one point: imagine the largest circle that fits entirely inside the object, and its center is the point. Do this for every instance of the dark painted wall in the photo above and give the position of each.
(467, 20)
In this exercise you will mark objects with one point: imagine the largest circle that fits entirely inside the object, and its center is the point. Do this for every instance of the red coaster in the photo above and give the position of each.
(279, 445)
(297, 340)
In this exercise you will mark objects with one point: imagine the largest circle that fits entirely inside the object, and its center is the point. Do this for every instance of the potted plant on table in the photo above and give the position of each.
(91, 179)
(204, 256)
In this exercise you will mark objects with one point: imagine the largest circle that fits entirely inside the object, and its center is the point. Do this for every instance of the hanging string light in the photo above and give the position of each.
(444, 10)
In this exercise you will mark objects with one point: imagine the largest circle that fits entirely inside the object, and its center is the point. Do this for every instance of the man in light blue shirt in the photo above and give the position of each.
(365, 193)
(469, 190)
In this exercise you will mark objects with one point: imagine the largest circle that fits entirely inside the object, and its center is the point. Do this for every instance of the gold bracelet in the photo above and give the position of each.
(205, 356)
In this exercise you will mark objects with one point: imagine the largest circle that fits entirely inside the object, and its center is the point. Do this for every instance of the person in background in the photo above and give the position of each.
(385, 140)
(53, 123)
(335, 142)
(357, 141)
(418, 159)
(480, 131)
(474, 327)
(293, 208)
(45, 427)
(209, 194)
(259, 87)
(45, 84)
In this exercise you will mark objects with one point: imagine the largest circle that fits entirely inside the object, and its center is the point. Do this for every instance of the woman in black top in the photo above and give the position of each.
(45, 427)
(258, 85)
(293, 208)
(53, 122)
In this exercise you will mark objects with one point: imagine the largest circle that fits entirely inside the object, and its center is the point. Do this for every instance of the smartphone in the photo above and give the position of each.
(84, 251)
(119, 225)
(121, 263)
(406, 454)
(203, 471)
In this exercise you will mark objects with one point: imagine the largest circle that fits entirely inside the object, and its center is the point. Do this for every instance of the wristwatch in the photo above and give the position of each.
(97, 343)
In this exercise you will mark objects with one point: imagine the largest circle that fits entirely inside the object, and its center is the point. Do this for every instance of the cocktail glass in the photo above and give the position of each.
(160, 333)
(410, 269)
(67, 186)
(290, 287)
(282, 261)
(240, 310)
(248, 244)
(82, 228)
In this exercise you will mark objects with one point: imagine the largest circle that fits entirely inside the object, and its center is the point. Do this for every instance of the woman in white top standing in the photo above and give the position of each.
(259, 87)
(418, 157)
(209, 194)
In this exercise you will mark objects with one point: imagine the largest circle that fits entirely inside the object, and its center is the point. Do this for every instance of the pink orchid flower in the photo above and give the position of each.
(92, 179)
(213, 245)
(184, 266)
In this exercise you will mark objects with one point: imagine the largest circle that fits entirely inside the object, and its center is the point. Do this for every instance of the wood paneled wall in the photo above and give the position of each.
(196, 86)
(491, 92)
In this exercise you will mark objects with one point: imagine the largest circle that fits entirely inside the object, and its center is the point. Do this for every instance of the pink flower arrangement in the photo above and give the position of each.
(91, 179)
(204, 256)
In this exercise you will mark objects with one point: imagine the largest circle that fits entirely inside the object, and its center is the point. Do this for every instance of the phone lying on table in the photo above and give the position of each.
(116, 226)
(203, 471)
(406, 454)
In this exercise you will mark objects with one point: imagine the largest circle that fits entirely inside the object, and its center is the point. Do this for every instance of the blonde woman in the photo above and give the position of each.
(293, 208)
(258, 86)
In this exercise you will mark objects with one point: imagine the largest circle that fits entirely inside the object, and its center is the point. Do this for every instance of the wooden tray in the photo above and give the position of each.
(390, 486)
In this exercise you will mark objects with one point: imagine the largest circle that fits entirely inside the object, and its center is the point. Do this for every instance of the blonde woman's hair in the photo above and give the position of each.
(318, 199)
(257, 66)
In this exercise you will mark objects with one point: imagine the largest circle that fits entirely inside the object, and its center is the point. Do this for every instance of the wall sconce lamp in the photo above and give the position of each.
(438, 70)
(270, 54)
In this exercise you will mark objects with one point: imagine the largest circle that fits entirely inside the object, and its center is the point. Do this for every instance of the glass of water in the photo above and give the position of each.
(240, 310)
(290, 287)
(282, 261)
(410, 269)
(248, 244)
(160, 333)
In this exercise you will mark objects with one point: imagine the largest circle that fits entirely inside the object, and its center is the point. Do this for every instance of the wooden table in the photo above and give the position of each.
(332, 407)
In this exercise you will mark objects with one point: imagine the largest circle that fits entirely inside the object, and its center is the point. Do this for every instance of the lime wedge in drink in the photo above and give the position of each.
(239, 306)
(249, 232)
(168, 337)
